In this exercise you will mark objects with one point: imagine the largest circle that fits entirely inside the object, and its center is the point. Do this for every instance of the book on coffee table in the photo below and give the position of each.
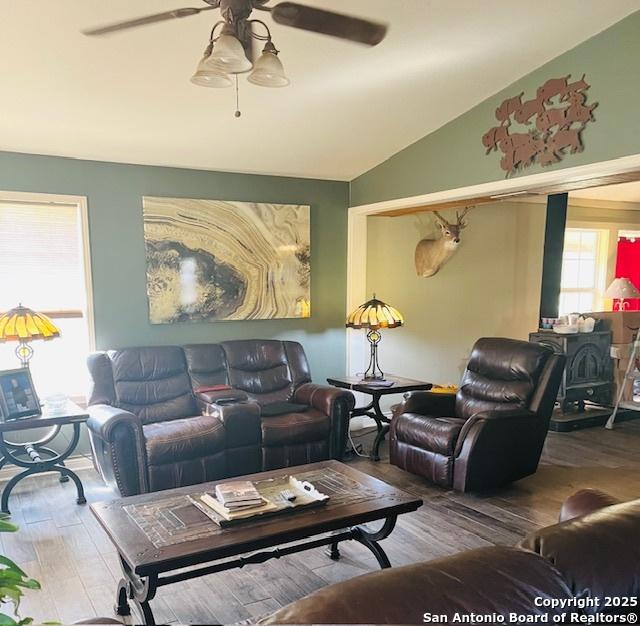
(275, 499)
(238, 494)
(231, 514)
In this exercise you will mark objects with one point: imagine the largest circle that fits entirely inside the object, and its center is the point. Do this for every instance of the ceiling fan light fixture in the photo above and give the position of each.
(211, 78)
(268, 70)
(207, 75)
(229, 55)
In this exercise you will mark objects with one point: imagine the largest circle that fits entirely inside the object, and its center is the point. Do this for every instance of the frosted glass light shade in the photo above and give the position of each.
(622, 288)
(229, 56)
(210, 76)
(268, 71)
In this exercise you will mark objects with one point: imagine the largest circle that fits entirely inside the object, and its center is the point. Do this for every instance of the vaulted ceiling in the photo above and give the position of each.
(127, 97)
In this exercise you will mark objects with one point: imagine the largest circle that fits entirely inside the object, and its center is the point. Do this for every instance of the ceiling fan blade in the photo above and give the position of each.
(149, 19)
(329, 23)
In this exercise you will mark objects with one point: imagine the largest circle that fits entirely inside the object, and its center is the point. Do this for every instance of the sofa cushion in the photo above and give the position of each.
(153, 383)
(183, 439)
(295, 428)
(207, 364)
(437, 434)
(501, 374)
(268, 370)
(282, 408)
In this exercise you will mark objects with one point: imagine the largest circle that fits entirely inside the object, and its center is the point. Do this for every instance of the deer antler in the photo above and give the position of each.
(441, 219)
(461, 221)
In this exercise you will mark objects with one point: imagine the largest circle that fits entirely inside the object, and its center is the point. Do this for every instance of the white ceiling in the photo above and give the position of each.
(623, 192)
(127, 97)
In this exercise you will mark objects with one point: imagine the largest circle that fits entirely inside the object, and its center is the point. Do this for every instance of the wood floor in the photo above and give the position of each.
(60, 544)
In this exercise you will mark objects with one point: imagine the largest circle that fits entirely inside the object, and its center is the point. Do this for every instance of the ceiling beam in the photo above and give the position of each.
(564, 187)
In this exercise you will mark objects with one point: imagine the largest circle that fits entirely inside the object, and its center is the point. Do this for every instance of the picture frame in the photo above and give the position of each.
(18, 397)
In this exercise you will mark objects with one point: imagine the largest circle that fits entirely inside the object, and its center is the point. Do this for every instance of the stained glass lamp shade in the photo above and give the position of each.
(374, 315)
(24, 325)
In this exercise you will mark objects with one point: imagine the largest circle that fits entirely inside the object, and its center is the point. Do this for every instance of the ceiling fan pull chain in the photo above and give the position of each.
(238, 113)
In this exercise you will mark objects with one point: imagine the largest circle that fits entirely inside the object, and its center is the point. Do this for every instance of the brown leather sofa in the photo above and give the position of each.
(493, 430)
(155, 423)
(569, 568)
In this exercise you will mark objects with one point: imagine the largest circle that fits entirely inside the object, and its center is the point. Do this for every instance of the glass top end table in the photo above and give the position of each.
(35, 457)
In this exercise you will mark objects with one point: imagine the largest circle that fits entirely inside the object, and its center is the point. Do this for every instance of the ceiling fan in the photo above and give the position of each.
(230, 50)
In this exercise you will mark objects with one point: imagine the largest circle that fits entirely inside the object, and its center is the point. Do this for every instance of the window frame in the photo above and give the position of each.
(602, 263)
(81, 205)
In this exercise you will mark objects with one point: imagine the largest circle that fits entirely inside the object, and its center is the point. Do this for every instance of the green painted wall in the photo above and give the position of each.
(453, 155)
(114, 193)
(490, 287)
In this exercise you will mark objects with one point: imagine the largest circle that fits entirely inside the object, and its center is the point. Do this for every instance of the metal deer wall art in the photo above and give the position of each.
(432, 254)
(552, 122)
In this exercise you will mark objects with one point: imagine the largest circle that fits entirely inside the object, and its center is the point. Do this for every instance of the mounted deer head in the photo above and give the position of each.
(432, 254)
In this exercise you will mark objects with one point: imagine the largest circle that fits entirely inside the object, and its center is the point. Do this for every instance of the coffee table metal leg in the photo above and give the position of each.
(370, 540)
(121, 606)
(139, 590)
(333, 552)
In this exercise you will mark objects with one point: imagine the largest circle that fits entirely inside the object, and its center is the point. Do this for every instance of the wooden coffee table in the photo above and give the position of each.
(158, 533)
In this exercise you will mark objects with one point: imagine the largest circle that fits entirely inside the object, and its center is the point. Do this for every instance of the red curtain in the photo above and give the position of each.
(628, 266)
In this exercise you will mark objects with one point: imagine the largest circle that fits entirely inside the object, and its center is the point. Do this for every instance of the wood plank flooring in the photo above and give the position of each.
(60, 544)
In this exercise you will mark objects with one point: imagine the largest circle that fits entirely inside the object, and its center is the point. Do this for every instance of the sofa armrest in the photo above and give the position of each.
(211, 397)
(334, 402)
(104, 418)
(323, 397)
(585, 501)
(241, 422)
(597, 554)
(118, 447)
(498, 447)
(475, 425)
(425, 403)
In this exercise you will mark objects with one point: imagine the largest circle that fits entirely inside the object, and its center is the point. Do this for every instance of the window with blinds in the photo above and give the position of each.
(42, 266)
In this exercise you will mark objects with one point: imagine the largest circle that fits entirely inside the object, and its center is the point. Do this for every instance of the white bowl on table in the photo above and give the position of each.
(565, 329)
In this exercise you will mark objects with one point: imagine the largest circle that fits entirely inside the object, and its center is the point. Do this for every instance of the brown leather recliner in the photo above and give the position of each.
(493, 430)
(152, 426)
(569, 569)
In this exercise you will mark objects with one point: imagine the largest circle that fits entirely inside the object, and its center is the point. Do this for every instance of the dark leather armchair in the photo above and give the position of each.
(492, 432)
(151, 427)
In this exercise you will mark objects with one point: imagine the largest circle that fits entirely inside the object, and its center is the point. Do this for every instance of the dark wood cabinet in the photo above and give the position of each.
(588, 373)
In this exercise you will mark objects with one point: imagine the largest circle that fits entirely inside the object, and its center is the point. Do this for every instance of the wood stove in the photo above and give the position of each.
(588, 373)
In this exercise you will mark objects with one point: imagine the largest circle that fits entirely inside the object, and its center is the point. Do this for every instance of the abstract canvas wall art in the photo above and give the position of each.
(213, 260)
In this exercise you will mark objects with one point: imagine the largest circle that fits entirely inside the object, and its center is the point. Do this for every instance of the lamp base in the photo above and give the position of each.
(373, 372)
(24, 352)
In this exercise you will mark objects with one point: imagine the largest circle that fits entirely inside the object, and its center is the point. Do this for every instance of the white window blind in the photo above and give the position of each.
(42, 267)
